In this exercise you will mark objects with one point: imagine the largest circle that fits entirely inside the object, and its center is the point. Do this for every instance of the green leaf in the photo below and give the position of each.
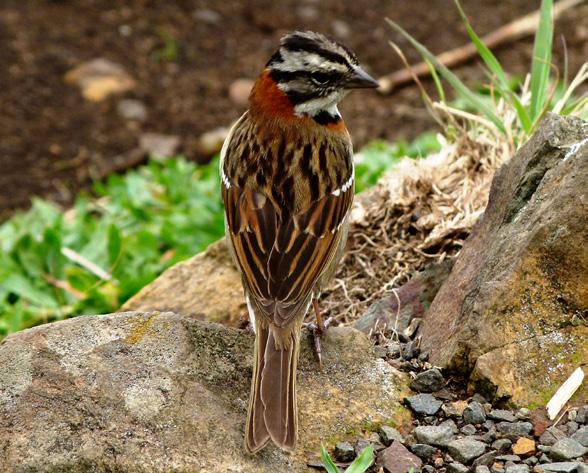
(541, 64)
(327, 462)
(22, 287)
(114, 244)
(363, 461)
(460, 88)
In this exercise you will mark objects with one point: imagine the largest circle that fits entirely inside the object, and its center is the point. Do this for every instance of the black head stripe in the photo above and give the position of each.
(296, 42)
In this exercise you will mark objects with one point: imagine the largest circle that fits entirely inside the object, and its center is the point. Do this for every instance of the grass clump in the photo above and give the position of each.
(363, 461)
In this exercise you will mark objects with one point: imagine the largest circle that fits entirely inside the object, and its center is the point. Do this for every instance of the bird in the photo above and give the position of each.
(287, 183)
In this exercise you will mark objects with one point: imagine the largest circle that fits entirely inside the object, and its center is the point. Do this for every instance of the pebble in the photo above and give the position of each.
(497, 468)
(159, 145)
(389, 434)
(468, 429)
(131, 109)
(428, 381)
(425, 404)
(567, 449)
(523, 413)
(474, 413)
(486, 459)
(397, 459)
(465, 450)
(394, 349)
(344, 452)
(482, 469)
(239, 91)
(457, 468)
(98, 78)
(508, 458)
(524, 446)
(563, 467)
(531, 461)
(207, 15)
(360, 445)
(211, 142)
(572, 427)
(411, 350)
(551, 435)
(581, 436)
(422, 450)
(380, 351)
(502, 415)
(341, 29)
(502, 445)
(514, 430)
(454, 409)
(436, 435)
(517, 468)
(582, 415)
(428, 469)
(451, 424)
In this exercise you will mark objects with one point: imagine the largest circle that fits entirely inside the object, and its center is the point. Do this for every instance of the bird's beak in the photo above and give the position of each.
(360, 80)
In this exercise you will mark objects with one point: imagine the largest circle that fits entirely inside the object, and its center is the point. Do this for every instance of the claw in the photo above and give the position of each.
(317, 330)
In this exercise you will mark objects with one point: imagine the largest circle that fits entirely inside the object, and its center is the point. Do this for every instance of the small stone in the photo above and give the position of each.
(514, 430)
(551, 436)
(581, 436)
(572, 414)
(465, 450)
(380, 351)
(572, 427)
(489, 425)
(211, 142)
(360, 445)
(344, 452)
(428, 381)
(99, 78)
(374, 439)
(474, 413)
(131, 109)
(502, 445)
(523, 413)
(563, 467)
(544, 459)
(487, 459)
(457, 468)
(207, 15)
(451, 424)
(436, 435)
(423, 450)
(389, 434)
(482, 469)
(468, 429)
(508, 458)
(524, 446)
(397, 459)
(239, 91)
(410, 350)
(567, 449)
(517, 468)
(341, 29)
(425, 404)
(582, 415)
(438, 462)
(531, 461)
(159, 145)
(430, 420)
(502, 415)
(454, 409)
(497, 468)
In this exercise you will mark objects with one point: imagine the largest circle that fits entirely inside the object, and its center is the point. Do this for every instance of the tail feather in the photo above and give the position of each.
(272, 404)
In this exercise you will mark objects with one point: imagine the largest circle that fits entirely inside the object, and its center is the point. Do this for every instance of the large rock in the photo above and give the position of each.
(206, 286)
(514, 308)
(159, 392)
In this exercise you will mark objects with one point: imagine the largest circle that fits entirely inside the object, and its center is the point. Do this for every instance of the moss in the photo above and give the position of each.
(140, 328)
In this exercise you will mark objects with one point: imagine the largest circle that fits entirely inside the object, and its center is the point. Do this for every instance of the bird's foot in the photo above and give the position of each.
(317, 331)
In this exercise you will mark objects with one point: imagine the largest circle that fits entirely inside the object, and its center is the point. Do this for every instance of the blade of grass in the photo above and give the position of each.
(460, 88)
(540, 66)
(363, 461)
(327, 462)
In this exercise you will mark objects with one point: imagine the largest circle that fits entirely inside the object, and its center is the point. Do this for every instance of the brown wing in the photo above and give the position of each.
(281, 259)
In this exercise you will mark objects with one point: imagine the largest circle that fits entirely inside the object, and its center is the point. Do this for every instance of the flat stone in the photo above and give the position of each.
(468, 429)
(517, 468)
(428, 381)
(389, 434)
(436, 435)
(98, 78)
(582, 415)
(502, 445)
(482, 469)
(563, 467)
(551, 436)
(474, 413)
(455, 467)
(422, 450)
(424, 404)
(344, 452)
(397, 459)
(581, 436)
(531, 461)
(451, 424)
(572, 427)
(524, 446)
(486, 459)
(502, 415)
(523, 414)
(508, 458)
(567, 449)
(514, 430)
(465, 450)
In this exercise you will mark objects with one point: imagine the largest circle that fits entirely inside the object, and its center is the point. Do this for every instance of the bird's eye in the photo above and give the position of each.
(320, 78)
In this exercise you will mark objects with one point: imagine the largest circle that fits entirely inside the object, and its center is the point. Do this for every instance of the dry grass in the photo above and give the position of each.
(418, 214)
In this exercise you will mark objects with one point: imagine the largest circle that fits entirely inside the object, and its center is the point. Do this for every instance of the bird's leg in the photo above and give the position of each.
(244, 323)
(317, 330)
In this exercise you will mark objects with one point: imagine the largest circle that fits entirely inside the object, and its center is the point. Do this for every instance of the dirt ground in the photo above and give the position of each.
(52, 141)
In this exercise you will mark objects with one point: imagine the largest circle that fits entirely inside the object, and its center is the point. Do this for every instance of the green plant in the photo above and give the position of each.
(359, 465)
(537, 94)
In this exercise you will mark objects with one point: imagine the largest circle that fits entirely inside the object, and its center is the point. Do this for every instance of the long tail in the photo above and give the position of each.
(272, 404)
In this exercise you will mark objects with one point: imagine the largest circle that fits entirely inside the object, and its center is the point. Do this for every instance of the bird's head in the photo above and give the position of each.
(315, 72)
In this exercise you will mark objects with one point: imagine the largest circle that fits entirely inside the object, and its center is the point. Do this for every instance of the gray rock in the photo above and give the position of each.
(486, 459)
(567, 449)
(380, 351)
(544, 458)
(394, 349)
(422, 450)
(428, 381)
(435, 435)
(502, 415)
(344, 452)
(517, 468)
(468, 429)
(551, 435)
(159, 392)
(508, 458)
(457, 468)
(428, 469)
(465, 450)
(514, 430)
(424, 404)
(397, 459)
(581, 436)
(531, 461)
(132, 109)
(482, 469)
(159, 145)
(572, 427)
(389, 434)
(582, 415)
(563, 467)
(360, 445)
(523, 413)
(474, 413)
(451, 424)
(502, 445)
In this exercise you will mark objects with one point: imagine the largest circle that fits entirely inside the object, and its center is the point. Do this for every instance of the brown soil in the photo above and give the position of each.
(52, 141)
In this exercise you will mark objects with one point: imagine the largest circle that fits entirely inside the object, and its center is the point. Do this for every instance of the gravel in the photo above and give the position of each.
(502, 415)
(465, 450)
(425, 404)
(514, 430)
(437, 436)
(474, 413)
(389, 434)
(423, 451)
(502, 445)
